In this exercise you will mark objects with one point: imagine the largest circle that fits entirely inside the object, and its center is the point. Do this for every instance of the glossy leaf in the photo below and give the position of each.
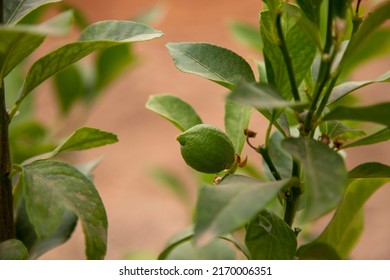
(370, 170)
(13, 249)
(269, 238)
(300, 46)
(50, 189)
(260, 96)
(370, 24)
(175, 110)
(26, 233)
(97, 36)
(237, 118)
(380, 136)
(15, 10)
(212, 62)
(86, 138)
(324, 175)
(348, 87)
(230, 205)
(338, 232)
(247, 35)
(70, 87)
(378, 113)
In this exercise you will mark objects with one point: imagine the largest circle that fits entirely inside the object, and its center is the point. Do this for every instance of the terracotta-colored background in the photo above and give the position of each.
(142, 214)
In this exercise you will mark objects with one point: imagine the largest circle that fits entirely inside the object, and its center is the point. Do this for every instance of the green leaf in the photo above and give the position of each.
(230, 205)
(281, 159)
(300, 46)
(370, 170)
(97, 36)
(26, 233)
(13, 249)
(380, 136)
(50, 189)
(15, 10)
(370, 24)
(341, 231)
(247, 35)
(317, 251)
(348, 87)
(237, 119)
(82, 139)
(311, 9)
(175, 110)
(260, 96)
(86, 138)
(70, 87)
(15, 46)
(378, 113)
(269, 238)
(212, 62)
(112, 62)
(324, 174)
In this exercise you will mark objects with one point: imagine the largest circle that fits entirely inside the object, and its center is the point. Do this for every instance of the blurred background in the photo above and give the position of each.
(143, 213)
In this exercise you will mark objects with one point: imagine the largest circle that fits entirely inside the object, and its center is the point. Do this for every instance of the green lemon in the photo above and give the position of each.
(206, 148)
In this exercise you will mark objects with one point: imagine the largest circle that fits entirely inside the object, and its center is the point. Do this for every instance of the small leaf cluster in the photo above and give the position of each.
(49, 196)
(309, 48)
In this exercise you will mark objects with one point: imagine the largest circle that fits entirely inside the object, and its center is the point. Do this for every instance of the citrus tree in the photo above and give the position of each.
(302, 89)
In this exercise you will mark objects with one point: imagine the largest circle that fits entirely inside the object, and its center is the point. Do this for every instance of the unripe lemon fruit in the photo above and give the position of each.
(206, 148)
